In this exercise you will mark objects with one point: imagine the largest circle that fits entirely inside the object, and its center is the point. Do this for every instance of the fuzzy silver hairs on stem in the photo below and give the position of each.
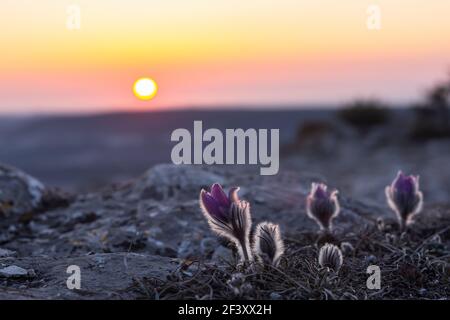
(268, 245)
(330, 256)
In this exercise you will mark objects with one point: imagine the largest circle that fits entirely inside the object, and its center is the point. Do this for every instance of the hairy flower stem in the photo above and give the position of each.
(244, 250)
(402, 226)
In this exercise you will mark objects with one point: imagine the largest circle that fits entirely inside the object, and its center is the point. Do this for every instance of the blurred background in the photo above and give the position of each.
(358, 88)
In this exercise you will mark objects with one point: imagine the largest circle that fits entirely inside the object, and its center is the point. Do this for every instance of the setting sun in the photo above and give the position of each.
(145, 88)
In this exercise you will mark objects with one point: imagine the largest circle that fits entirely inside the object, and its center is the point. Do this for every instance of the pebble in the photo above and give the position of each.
(13, 272)
(275, 296)
(185, 249)
(5, 253)
(370, 259)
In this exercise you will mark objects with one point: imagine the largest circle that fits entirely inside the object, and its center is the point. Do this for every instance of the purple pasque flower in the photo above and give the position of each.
(217, 203)
(229, 217)
(322, 206)
(404, 198)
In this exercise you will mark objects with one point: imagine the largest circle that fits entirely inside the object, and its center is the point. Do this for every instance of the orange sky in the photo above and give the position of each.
(214, 53)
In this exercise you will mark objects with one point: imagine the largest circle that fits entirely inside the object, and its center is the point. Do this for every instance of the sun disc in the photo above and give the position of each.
(145, 88)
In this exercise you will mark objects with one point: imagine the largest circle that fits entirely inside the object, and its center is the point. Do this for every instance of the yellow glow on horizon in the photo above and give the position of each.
(214, 52)
(123, 33)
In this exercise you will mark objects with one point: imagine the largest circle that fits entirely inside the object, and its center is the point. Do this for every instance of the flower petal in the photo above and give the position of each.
(219, 195)
(210, 204)
(233, 196)
(321, 191)
(405, 184)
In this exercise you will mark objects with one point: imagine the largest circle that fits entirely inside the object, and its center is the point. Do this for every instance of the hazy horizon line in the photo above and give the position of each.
(195, 108)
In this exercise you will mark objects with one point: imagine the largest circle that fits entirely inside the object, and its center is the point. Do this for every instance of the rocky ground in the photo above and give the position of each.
(147, 239)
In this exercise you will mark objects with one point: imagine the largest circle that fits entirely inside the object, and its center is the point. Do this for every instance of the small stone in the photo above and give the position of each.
(182, 223)
(47, 232)
(82, 217)
(370, 259)
(380, 224)
(31, 273)
(131, 230)
(154, 243)
(185, 249)
(20, 193)
(169, 180)
(436, 239)
(5, 253)
(237, 279)
(99, 260)
(238, 284)
(275, 296)
(13, 272)
(160, 248)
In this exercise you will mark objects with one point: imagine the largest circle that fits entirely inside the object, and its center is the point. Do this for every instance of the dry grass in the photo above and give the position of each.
(413, 266)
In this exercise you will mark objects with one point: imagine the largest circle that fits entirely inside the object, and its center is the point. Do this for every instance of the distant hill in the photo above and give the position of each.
(85, 152)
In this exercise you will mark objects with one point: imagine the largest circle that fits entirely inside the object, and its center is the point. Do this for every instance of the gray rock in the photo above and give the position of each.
(103, 276)
(19, 193)
(160, 248)
(422, 291)
(186, 249)
(155, 218)
(239, 285)
(370, 259)
(169, 180)
(13, 272)
(275, 296)
(5, 253)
